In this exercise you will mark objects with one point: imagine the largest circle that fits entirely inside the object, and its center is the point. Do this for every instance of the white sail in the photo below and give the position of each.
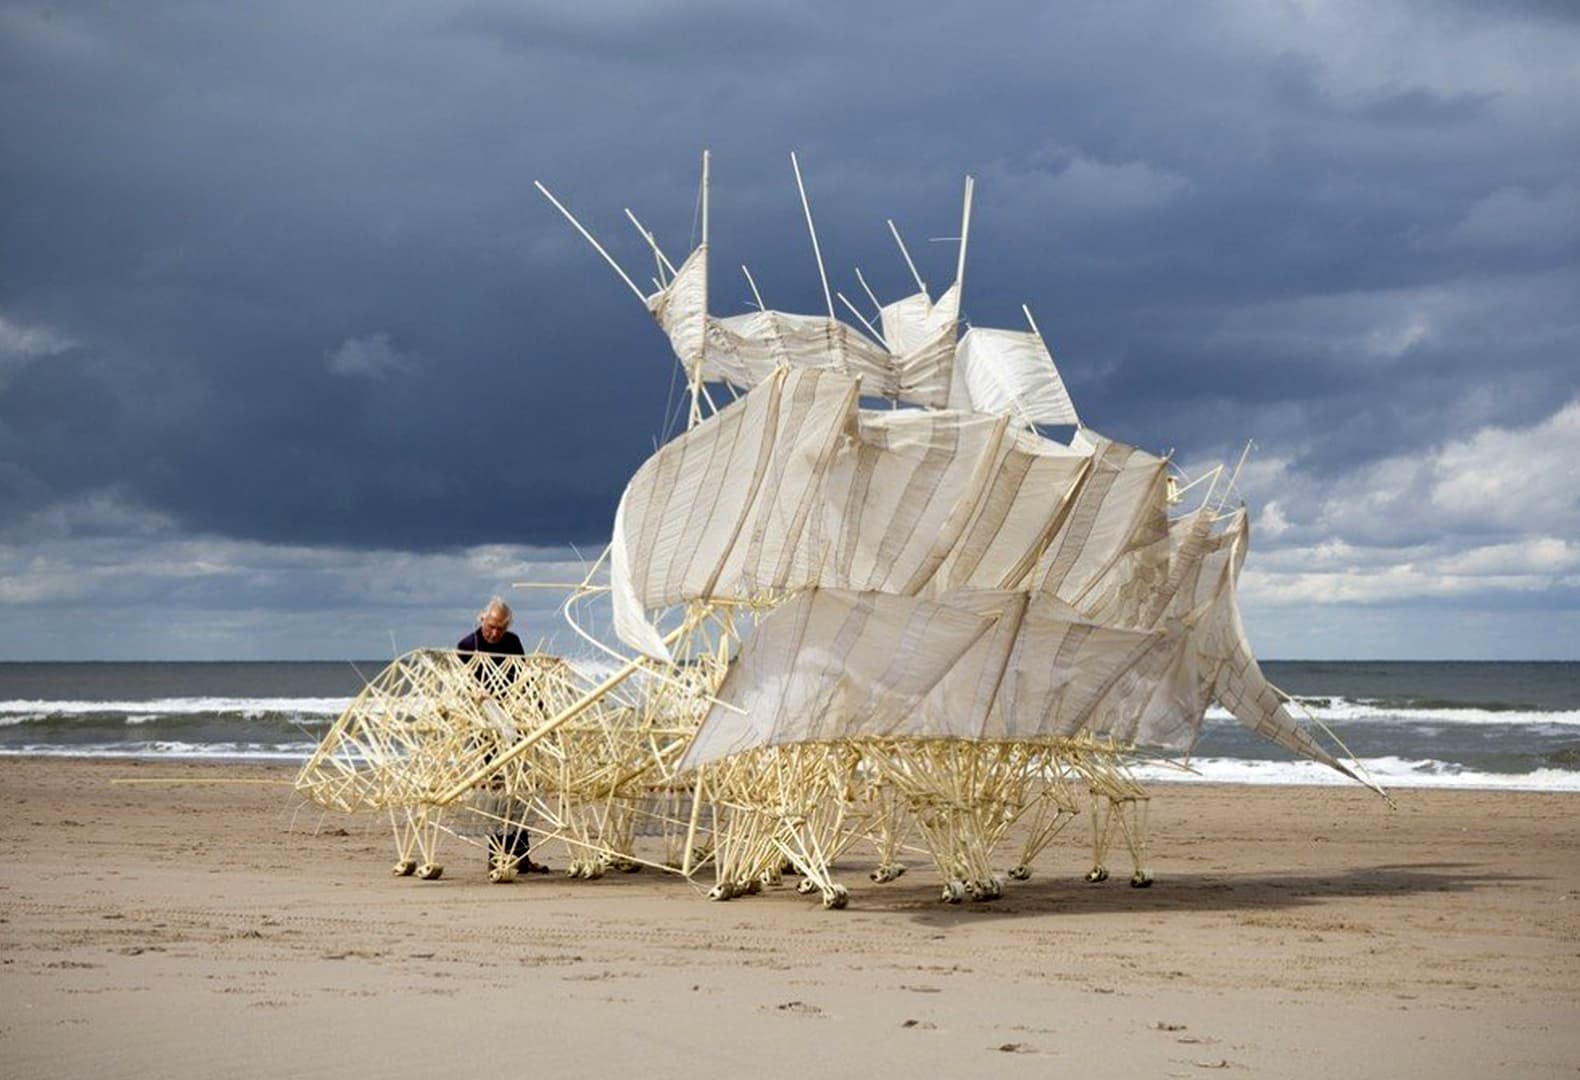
(1009, 371)
(725, 502)
(833, 664)
(746, 349)
(794, 486)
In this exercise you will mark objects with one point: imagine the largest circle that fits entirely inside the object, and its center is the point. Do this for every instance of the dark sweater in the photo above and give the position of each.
(509, 644)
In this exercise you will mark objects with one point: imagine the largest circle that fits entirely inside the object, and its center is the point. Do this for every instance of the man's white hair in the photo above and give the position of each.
(498, 607)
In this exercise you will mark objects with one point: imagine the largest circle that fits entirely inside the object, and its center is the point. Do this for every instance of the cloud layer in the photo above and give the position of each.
(278, 292)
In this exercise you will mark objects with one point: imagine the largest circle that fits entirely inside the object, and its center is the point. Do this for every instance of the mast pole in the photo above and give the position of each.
(1234, 477)
(694, 376)
(921, 285)
(876, 335)
(868, 290)
(817, 253)
(755, 294)
(965, 237)
(652, 242)
(640, 295)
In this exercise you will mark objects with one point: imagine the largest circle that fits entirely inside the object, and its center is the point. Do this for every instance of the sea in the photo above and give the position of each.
(1409, 724)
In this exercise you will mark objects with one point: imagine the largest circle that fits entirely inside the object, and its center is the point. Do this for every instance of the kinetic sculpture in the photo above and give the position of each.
(929, 620)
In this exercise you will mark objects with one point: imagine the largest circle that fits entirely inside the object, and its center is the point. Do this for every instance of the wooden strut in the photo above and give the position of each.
(585, 702)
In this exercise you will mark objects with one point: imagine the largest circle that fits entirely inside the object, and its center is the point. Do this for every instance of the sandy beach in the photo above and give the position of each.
(221, 930)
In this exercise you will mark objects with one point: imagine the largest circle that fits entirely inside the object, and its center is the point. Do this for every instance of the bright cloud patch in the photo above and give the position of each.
(21, 345)
(1492, 513)
(368, 357)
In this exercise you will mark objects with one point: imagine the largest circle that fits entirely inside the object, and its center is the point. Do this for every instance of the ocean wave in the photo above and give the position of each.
(1388, 772)
(1340, 710)
(33, 710)
(295, 753)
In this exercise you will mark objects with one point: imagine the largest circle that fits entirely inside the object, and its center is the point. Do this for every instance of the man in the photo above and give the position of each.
(493, 636)
(493, 632)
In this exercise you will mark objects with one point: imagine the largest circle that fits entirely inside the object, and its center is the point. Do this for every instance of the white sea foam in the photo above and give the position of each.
(20, 711)
(1388, 772)
(1342, 710)
(295, 753)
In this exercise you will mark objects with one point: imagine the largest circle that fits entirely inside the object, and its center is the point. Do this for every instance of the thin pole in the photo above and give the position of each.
(965, 237)
(1235, 476)
(920, 284)
(640, 295)
(581, 705)
(694, 377)
(707, 168)
(1033, 324)
(755, 294)
(868, 289)
(652, 242)
(870, 329)
(817, 253)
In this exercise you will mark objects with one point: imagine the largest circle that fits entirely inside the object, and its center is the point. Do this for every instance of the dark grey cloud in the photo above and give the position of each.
(277, 274)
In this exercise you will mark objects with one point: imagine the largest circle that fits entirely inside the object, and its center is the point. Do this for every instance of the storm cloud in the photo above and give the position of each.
(283, 322)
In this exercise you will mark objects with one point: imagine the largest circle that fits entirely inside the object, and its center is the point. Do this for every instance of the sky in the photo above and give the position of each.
(295, 362)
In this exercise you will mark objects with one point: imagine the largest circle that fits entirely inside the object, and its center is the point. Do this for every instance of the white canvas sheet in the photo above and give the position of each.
(1012, 372)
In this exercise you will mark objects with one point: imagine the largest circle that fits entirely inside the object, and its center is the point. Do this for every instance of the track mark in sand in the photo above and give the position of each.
(919, 1025)
(798, 1008)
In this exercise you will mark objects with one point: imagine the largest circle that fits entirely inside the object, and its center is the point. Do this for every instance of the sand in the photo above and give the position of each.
(214, 930)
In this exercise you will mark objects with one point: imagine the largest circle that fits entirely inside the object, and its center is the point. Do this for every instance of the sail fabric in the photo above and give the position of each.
(1009, 371)
(1005, 664)
(744, 350)
(833, 664)
(725, 502)
(899, 495)
(681, 309)
(1227, 668)
(1120, 507)
(794, 486)
(910, 323)
(1015, 514)
(1139, 587)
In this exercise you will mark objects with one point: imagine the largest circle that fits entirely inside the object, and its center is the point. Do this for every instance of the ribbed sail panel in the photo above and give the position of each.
(1227, 665)
(917, 367)
(833, 664)
(911, 323)
(1138, 587)
(1016, 514)
(681, 308)
(899, 496)
(745, 349)
(1119, 507)
(1068, 677)
(724, 503)
(1009, 371)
